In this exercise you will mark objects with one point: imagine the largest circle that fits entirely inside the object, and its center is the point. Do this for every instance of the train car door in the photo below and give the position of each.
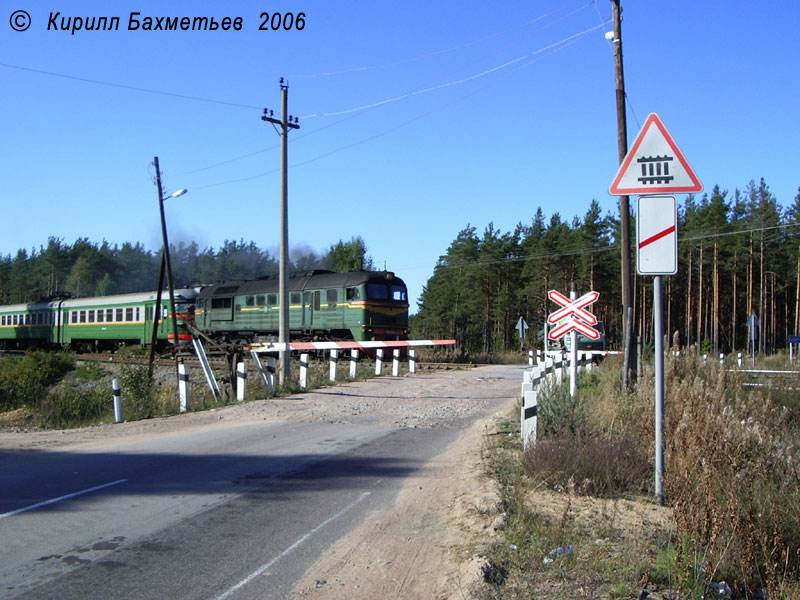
(222, 308)
(308, 310)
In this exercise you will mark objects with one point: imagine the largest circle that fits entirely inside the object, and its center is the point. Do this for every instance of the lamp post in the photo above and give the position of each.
(165, 262)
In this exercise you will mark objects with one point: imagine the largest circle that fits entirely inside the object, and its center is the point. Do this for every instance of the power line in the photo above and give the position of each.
(451, 49)
(553, 48)
(127, 87)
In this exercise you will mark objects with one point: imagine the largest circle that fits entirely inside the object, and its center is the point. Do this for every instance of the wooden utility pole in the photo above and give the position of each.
(285, 123)
(167, 262)
(624, 203)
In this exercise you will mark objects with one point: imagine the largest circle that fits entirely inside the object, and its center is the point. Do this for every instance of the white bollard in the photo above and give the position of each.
(304, 371)
(183, 388)
(334, 363)
(412, 361)
(721, 358)
(530, 410)
(530, 358)
(117, 400)
(379, 361)
(396, 362)
(353, 362)
(241, 381)
(739, 359)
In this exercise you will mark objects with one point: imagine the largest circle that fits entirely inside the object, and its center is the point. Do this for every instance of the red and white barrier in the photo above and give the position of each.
(278, 347)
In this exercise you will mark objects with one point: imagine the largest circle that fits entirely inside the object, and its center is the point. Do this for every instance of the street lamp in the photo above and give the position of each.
(165, 262)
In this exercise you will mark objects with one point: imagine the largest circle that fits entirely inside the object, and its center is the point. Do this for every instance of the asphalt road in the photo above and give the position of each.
(230, 511)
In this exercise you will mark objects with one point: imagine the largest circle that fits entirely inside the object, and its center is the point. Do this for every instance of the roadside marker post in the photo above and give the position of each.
(303, 371)
(117, 400)
(353, 362)
(396, 362)
(183, 388)
(379, 361)
(334, 363)
(412, 361)
(241, 381)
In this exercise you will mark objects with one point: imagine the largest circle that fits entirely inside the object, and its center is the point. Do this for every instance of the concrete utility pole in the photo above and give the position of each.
(624, 202)
(285, 123)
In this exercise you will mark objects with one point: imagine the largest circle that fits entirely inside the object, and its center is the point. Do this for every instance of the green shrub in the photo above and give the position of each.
(559, 413)
(139, 393)
(24, 380)
(70, 406)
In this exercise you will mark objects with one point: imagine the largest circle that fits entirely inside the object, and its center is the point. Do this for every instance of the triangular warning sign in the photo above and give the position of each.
(654, 165)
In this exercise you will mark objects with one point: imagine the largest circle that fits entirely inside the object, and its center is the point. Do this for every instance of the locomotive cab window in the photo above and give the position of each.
(261, 300)
(295, 299)
(377, 291)
(399, 293)
(353, 293)
(250, 301)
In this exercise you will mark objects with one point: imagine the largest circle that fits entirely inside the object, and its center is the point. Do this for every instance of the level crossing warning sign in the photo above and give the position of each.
(654, 165)
(573, 315)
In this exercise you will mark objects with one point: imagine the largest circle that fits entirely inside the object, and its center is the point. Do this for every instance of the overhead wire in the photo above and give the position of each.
(127, 87)
(447, 50)
(353, 112)
(553, 48)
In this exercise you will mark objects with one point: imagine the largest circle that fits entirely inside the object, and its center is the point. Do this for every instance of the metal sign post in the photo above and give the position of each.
(752, 326)
(658, 318)
(522, 327)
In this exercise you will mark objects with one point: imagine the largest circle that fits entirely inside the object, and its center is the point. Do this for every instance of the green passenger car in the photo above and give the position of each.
(93, 323)
(361, 305)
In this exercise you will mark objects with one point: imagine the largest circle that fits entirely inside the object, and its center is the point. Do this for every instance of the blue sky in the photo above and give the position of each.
(416, 117)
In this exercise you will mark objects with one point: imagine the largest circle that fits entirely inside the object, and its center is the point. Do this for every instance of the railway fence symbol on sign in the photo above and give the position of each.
(573, 315)
(654, 165)
(656, 235)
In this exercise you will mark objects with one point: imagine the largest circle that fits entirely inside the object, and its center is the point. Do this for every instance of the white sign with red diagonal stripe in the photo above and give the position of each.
(656, 235)
(573, 315)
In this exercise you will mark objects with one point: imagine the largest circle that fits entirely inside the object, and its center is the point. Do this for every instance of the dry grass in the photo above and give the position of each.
(732, 487)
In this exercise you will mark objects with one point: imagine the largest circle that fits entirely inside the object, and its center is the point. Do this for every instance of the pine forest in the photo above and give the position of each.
(738, 253)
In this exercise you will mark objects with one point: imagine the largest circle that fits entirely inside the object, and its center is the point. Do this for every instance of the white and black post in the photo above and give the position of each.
(117, 400)
(183, 388)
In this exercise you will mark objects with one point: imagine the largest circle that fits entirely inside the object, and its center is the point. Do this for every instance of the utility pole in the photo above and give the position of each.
(624, 203)
(167, 261)
(285, 123)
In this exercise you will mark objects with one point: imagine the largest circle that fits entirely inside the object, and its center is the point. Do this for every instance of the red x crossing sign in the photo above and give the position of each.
(573, 315)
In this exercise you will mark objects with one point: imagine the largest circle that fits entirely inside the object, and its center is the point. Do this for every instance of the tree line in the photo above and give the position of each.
(738, 254)
(85, 268)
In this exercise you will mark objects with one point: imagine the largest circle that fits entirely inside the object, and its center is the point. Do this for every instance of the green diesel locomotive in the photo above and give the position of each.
(360, 305)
